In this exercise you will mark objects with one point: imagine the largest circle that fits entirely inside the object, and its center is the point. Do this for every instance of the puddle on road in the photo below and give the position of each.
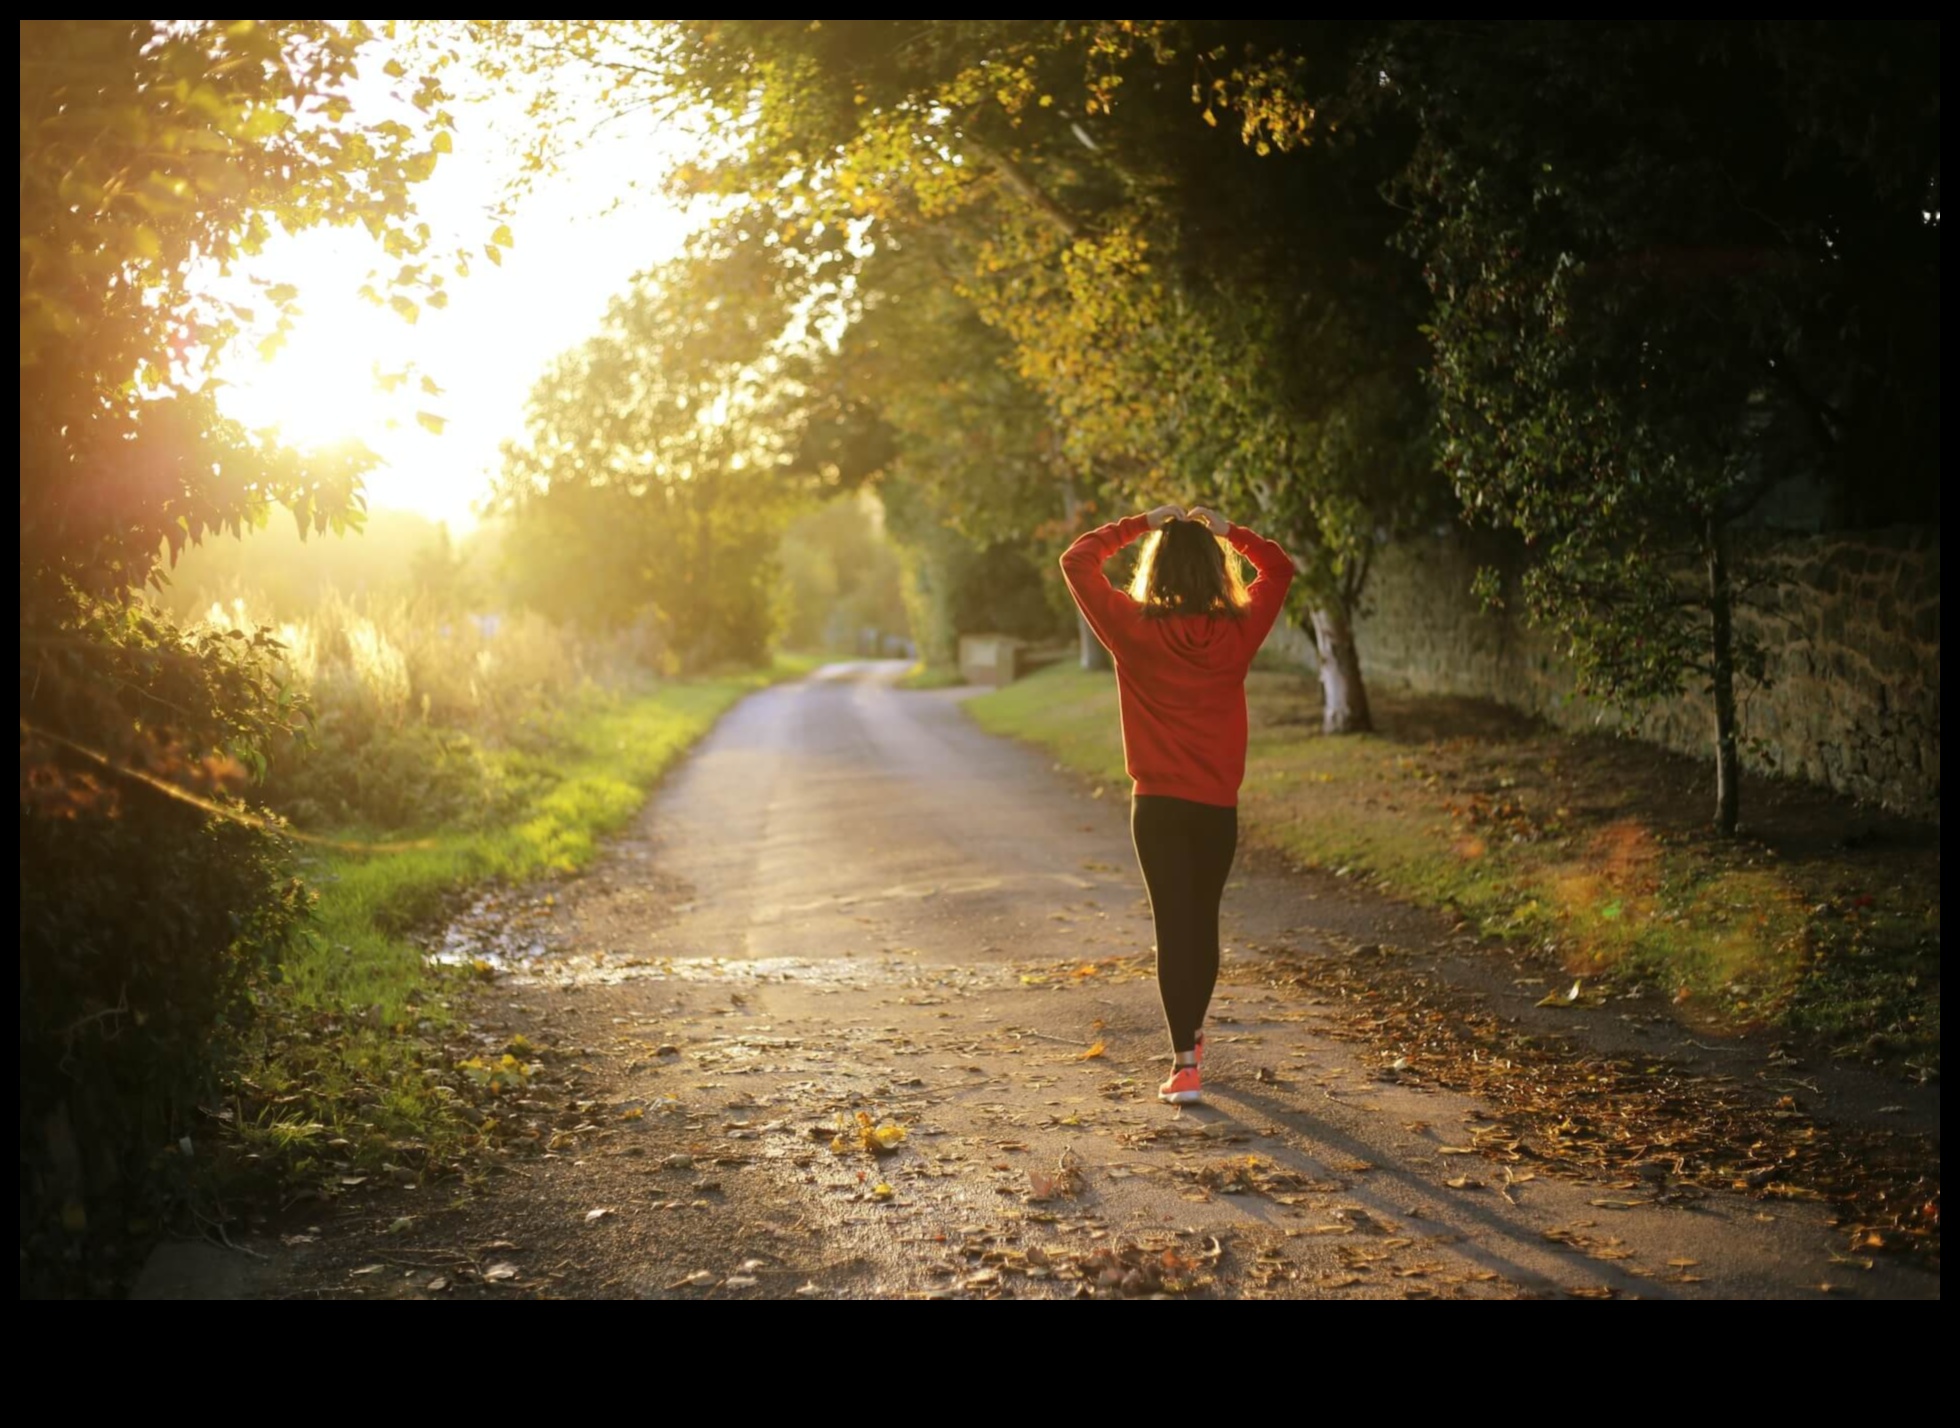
(504, 932)
(498, 930)
(844, 971)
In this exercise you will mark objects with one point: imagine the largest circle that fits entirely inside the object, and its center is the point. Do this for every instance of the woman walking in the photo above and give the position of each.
(1182, 638)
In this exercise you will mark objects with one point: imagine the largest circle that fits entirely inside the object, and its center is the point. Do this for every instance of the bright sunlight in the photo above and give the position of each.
(580, 234)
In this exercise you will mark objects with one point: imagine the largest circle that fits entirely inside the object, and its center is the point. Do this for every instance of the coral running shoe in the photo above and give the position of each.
(1182, 1089)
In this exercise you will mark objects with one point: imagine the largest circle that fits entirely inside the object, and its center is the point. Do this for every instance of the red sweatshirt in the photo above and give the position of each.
(1180, 679)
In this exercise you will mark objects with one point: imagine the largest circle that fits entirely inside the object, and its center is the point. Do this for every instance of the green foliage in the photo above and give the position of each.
(140, 939)
(955, 585)
(840, 575)
(961, 448)
(419, 715)
(1183, 309)
(659, 462)
(150, 154)
(1672, 266)
(153, 156)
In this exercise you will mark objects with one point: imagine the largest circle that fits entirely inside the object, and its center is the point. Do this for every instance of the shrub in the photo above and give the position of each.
(416, 709)
(141, 935)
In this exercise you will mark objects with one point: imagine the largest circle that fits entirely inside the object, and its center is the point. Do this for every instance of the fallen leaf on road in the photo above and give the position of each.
(1093, 1052)
(1464, 1182)
(438, 1284)
(700, 1279)
(739, 1281)
(367, 1269)
(503, 1269)
(863, 1133)
(602, 1213)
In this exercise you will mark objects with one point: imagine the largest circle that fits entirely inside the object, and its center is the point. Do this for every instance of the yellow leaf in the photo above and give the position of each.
(431, 422)
(882, 1191)
(1093, 1052)
(634, 1114)
(502, 237)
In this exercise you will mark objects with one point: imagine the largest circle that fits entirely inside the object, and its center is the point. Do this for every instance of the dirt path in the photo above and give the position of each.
(851, 900)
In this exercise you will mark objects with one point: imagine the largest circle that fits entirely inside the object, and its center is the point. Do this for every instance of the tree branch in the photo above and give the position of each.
(1027, 189)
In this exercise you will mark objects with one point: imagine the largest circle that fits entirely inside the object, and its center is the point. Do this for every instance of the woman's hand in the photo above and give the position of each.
(1209, 519)
(1163, 516)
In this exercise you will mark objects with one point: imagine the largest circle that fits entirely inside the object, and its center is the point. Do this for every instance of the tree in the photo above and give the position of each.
(658, 465)
(154, 155)
(967, 456)
(1672, 264)
(841, 576)
(1205, 310)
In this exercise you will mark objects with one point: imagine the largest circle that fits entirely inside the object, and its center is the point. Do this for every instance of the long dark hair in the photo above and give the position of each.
(1186, 570)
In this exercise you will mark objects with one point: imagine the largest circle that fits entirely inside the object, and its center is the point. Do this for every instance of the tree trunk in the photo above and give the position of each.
(1094, 656)
(1344, 695)
(1721, 610)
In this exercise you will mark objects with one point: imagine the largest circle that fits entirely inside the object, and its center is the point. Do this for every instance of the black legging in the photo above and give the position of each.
(1185, 850)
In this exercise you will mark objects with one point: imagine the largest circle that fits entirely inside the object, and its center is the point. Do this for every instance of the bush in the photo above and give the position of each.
(421, 715)
(141, 935)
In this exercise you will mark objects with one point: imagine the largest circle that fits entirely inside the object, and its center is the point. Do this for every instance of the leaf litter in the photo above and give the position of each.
(1638, 1124)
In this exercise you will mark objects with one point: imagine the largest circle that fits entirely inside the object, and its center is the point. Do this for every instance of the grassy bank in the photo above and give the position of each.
(930, 676)
(1824, 919)
(351, 1067)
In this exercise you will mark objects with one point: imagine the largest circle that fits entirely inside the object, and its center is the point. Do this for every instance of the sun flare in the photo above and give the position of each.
(324, 386)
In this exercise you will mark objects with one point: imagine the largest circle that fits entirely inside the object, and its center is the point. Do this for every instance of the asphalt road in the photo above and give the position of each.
(851, 899)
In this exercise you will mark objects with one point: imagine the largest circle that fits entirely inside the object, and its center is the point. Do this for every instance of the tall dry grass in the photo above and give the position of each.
(425, 715)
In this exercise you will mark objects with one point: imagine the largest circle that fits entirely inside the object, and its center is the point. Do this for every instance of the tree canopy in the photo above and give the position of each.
(1673, 266)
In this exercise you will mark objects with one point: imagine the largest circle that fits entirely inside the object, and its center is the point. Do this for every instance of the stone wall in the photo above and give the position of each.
(1851, 625)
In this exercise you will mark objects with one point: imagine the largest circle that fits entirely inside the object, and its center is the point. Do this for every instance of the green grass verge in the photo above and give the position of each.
(1586, 847)
(930, 676)
(350, 1048)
